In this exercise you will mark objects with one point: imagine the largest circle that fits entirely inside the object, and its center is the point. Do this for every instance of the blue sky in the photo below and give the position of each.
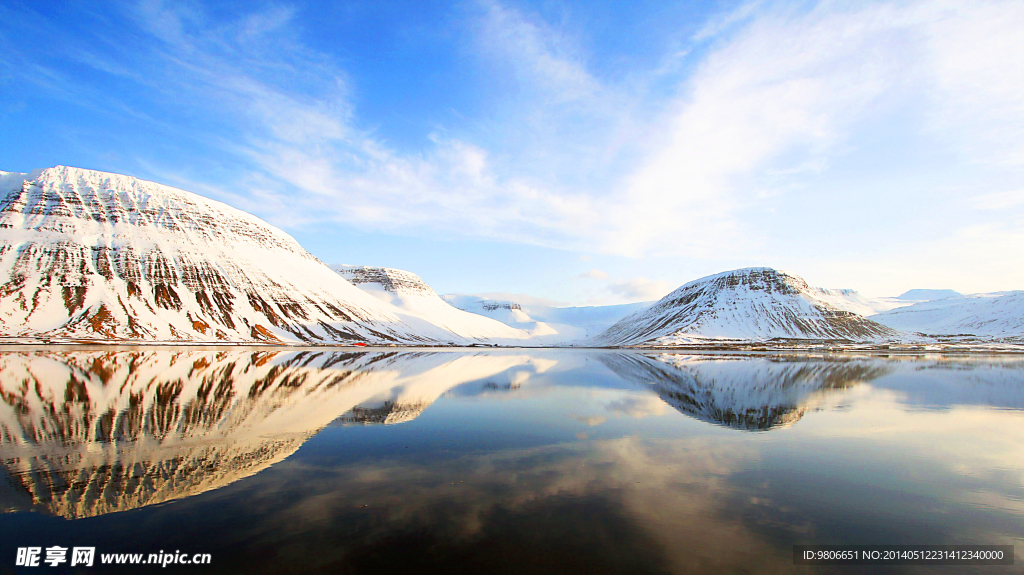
(585, 152)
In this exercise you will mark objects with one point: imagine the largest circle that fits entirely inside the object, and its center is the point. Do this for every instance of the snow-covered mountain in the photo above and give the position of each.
(563, 323)
(916, 295)
(87, 255)
(93, 255)
(852, 300)
(418, 304)
(751, 304)
(995, 315)
(513, 314)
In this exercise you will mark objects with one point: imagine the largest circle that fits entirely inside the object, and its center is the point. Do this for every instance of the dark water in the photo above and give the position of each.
(505, 461)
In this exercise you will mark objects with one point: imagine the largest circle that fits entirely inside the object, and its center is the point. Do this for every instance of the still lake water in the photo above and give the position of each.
(506, 461)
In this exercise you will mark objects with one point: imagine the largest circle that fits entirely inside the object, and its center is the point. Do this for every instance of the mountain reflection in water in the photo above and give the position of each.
(597, 460)
(87, 433)
(743, 393)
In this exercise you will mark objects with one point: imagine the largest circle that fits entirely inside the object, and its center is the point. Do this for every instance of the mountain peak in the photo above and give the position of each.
(388, 279)
(100, 195)
(749, 304)
(754, 278)
(95, 255)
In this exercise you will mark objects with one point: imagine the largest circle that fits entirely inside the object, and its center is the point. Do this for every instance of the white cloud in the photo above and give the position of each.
(776, 99)
(592, 274)
(722, 22)
(785, 86)
(1000, 200)
(975, 64)
(542, 57)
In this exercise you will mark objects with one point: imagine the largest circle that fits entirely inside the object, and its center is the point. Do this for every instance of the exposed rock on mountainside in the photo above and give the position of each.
(387, 279)
(752, 304)
(86, 254)
(493, 306)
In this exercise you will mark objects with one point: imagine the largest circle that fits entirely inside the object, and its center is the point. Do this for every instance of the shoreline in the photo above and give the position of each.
(753, 348)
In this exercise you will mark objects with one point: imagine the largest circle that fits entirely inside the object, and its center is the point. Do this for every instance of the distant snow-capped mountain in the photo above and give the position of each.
(852, 300)
(998, 315)
(93, 255)
(418, 304)
(514, 314)
(752, 304)
(565, 323)
(916, 295)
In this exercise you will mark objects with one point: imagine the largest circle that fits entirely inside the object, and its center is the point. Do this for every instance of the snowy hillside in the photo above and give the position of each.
(594, 319)
(570, 323)
(851, 300)
(417, 304)
(752, 304)
(997, 315)
(512, 314)
(92, 255)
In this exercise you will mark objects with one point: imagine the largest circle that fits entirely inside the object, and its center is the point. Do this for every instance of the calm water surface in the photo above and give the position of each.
(510, 461)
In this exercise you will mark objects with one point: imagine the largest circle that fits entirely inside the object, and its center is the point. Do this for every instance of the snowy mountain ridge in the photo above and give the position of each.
(94, 256)
(995, 315)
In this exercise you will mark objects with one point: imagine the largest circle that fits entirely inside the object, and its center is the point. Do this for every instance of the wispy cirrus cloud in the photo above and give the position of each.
(782, 93)
(544, 59)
